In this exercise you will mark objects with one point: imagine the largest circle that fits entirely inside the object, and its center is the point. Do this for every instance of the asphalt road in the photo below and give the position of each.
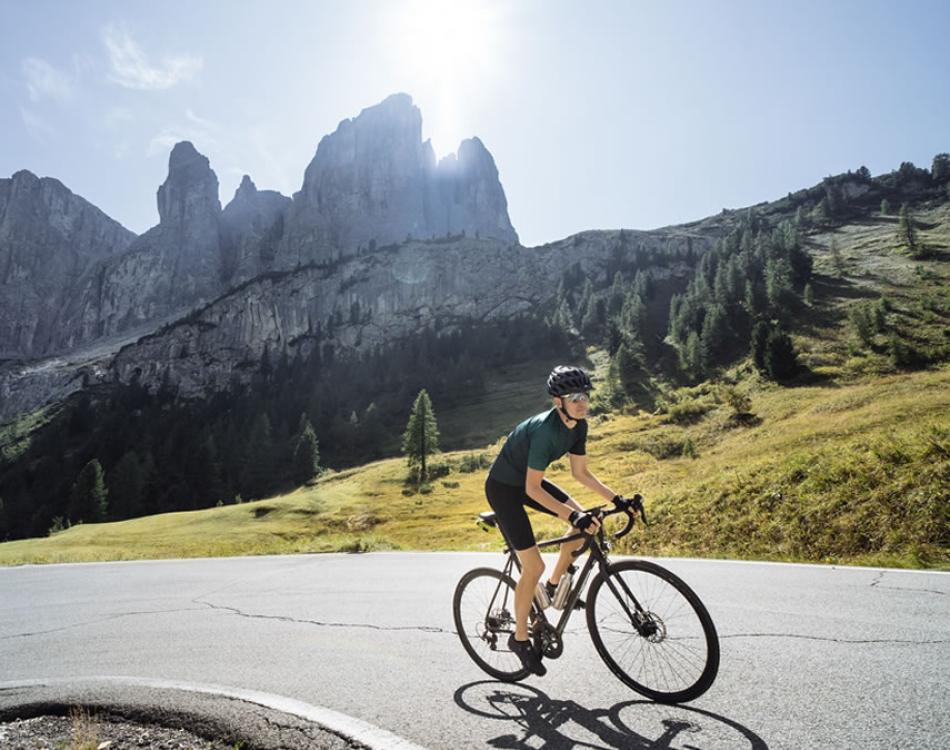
(812, 657)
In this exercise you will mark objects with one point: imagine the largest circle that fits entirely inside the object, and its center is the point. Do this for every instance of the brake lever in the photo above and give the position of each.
(637, 503)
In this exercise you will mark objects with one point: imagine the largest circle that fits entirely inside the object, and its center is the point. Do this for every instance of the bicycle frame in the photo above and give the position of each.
(596, 547)
(596, 557)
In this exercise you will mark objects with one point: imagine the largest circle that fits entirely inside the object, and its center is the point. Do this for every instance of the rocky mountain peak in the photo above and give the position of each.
(24, 176)
(191, 189)
(49, 238)
(247, 187)
(375, 180)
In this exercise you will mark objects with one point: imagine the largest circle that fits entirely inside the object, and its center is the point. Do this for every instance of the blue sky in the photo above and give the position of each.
(598, 114)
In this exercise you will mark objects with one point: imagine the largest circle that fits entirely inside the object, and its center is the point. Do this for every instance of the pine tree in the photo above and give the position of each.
(809, 295)
(692, 356)
(257, 473)
(589, 317)
(861, 319)
(126, 487)
(780, 357)
(88, 498)
(778, 284)
(305, 463)
(631, 372)
(906, 231)
(885, 206)
(209, 486)
(715, 335)
(878, 314)
(563, 319)
(615, 298)
(586, 297)
(836, 259)
(754, 301)
(421, 437)
(940, 169)
(632, 315)
(760, 337)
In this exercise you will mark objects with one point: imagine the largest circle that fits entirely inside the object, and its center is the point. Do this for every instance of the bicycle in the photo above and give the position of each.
(664, 633)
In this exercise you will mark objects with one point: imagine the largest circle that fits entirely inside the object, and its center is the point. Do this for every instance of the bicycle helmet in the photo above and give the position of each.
(564, 380)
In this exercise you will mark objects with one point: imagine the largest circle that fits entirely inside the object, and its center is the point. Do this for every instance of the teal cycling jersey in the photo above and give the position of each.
(535, 444)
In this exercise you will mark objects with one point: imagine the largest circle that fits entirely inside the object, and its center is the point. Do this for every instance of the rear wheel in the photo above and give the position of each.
(652, 631)
(484, 610)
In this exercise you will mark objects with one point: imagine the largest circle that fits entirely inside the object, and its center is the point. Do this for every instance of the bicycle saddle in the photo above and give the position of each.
(488, 518)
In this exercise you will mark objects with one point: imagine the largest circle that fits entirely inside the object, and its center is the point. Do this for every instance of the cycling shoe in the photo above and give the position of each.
(524, 650)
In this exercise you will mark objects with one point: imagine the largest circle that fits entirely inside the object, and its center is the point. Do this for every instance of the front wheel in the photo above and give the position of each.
(652, 631)
(484, 610)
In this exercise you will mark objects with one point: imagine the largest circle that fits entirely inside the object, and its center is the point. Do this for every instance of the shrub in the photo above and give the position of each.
(689, 449)
(740, 402)
(687, 412)
(441, 469)
(473, 462)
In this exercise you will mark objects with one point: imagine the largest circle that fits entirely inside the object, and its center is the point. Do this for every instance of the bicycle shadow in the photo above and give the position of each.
(538, 717)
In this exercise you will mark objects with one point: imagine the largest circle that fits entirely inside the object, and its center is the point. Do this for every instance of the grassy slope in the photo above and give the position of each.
(853, 466)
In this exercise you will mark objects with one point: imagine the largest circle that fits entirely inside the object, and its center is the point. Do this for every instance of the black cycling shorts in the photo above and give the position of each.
(509, 503)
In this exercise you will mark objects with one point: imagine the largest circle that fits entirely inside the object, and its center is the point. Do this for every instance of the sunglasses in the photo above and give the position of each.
(576, 398)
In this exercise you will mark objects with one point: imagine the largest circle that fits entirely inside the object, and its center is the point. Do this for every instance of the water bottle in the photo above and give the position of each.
(563, 590)
(541, 597)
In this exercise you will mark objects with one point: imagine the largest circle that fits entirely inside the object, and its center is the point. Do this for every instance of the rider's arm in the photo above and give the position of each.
(534, 490)
(582, 474)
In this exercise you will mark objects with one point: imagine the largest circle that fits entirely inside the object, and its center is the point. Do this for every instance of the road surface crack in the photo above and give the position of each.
(114, 616)
(876, 583)
(833, 640)
(366, 625)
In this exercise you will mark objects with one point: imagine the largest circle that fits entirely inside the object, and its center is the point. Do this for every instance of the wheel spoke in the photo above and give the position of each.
(481, 595)
(680, 658)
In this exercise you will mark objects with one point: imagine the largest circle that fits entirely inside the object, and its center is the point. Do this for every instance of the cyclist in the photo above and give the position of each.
(516, 479)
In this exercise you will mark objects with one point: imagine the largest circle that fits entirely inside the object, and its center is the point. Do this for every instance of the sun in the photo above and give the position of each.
(449, 55)
(442, 38)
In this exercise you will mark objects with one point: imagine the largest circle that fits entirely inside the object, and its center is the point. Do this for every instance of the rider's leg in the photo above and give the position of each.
(532, 568)
(567, 548)
(565, 558)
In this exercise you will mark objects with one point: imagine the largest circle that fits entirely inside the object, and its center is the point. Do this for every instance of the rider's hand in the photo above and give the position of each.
(584, 520)
(625, 503)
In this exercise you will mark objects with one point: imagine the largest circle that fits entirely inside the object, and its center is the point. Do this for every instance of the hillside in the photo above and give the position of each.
(848, 461)
(854, 474)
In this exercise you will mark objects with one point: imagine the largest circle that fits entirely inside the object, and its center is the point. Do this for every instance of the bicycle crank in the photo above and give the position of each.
(547, 640)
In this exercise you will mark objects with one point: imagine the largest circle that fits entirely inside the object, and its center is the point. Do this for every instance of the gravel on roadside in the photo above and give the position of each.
(65, 733)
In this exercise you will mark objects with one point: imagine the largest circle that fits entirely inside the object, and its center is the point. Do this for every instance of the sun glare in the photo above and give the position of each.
(448, 54)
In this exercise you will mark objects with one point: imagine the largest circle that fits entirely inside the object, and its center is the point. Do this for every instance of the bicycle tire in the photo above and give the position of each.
(651, 584)
(471, 609)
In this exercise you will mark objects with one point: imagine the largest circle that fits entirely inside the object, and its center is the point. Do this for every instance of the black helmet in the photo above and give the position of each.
(564, 380)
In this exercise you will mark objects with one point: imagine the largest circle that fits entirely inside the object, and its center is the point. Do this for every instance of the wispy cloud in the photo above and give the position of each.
(36, 126)
(131, 67)
(200, 121)
(199, 131)
(43, 81)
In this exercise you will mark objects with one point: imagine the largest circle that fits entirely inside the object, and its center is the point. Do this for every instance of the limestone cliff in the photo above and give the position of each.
(49, 237)
(374, 182)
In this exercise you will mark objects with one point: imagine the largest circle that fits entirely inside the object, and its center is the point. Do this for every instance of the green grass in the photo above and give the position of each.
(852, 474)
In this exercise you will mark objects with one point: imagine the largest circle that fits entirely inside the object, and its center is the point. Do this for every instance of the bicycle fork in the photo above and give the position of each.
(639, 618)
